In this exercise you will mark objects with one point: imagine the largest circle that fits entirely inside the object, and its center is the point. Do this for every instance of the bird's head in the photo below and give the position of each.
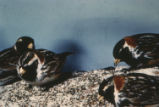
(27, 66)
(123, 50)
(106, 90)
(111, 87)
(118, 52)
(23, 44)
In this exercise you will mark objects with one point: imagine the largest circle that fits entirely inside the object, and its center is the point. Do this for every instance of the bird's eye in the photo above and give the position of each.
(120, 50)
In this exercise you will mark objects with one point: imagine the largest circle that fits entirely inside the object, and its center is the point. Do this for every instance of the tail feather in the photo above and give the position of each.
(9, 80)
(67, 53)
(64, 55)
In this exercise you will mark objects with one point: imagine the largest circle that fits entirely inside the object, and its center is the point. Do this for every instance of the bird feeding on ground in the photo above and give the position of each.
(140, 50)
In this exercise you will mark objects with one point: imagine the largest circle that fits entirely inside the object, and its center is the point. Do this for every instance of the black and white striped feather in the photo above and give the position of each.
(133, 89)
(41, 66)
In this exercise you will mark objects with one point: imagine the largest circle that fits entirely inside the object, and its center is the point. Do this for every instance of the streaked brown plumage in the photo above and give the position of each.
(140, 50)
(41, 66)
(133, 89)
(9, 57)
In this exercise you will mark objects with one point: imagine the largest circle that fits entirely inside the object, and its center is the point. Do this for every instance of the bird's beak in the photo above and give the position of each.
(116, 62)
(21, 71)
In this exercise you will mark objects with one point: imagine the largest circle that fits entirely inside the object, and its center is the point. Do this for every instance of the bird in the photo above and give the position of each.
(130, 90)
(138, 51)
(41, 66)
(9, 58)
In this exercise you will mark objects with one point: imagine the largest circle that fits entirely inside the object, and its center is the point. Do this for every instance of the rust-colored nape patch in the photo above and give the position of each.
(119, 82)
(130, 41)
(40, 56)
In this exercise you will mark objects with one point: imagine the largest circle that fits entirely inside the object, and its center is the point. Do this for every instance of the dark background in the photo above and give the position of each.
(90, 28)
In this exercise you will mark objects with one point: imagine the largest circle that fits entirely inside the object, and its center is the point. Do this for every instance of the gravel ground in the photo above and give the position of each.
(81, 90)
